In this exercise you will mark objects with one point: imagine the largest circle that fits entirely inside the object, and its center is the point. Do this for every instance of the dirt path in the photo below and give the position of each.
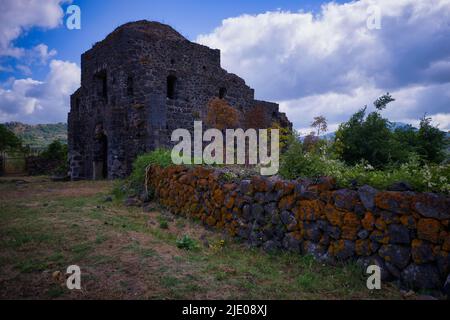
(125, 253)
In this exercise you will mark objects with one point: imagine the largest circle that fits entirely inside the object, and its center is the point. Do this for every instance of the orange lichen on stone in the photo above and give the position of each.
(259, 184)
(428, 229)
(211, 221)
(333, 215)
(310, 210)
(445, 238)
(368, 222)
(289, 187)
(363, 248)
(394, 201)
(218, 196)
(326, 184)
(380, 236)
(339, 249)
(326, 196)
(422, 252)
(351, 226)
(279, 185)
(408, 221)
(229, 187)
(201, 172)
(220, 225)
(230, 203)
(380, 224)
(334, 247)
(286, 202)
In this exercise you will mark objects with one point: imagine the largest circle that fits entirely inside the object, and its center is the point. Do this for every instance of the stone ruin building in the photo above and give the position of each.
(138, 85)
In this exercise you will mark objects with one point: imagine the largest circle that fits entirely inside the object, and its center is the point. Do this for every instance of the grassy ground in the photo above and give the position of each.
(125, 253)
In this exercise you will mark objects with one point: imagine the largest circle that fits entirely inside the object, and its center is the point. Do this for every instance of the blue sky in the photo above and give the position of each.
(99, 18)
(312, 57)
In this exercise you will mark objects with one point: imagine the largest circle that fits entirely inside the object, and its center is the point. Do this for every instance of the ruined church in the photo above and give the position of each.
(140, 83)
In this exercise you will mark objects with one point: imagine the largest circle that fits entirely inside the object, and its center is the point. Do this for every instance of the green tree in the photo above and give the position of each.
(320, 124)
(428, 142)
(382, 102)
(55, 151)
(8, 140)
(365, 138)
(369, 138)
(431, 141)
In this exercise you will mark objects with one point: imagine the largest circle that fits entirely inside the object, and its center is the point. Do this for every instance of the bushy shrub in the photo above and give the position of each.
(220, 115)
(55, 151)
(187, 243)
(119, 190)
(298, 163)
(422, 177)
(163, 223)
(56, 156)
(161, 157)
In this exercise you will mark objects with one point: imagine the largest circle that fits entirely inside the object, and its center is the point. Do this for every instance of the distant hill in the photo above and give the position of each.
(39, 136)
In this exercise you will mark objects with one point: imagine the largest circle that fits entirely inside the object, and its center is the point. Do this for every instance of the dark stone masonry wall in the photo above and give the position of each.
(138, 85)
(40, 166)
(405, 233)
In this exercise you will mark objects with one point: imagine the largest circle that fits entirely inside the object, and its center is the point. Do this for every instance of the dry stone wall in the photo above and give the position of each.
(405, 233)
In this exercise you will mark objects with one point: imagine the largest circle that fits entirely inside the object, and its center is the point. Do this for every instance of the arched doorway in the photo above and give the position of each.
(171, 87)
(100, 157)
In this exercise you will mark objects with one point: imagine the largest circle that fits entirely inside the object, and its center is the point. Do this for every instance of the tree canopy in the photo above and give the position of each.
(8, 140)
(372, 138)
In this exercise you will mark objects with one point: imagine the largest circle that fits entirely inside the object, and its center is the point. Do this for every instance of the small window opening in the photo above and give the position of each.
(102, 84)
(130, 87)
(171, 83)
(77, 104)
(222, 93)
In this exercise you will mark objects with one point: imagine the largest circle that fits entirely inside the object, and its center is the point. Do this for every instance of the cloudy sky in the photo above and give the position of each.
(312, 57)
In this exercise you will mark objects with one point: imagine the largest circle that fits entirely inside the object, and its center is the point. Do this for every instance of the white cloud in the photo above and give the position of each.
(17, 16)
(6, 69)
(332, 64)
(442, 120)
(411, 104)
(42, 53)
(41, 101)
(26, 70)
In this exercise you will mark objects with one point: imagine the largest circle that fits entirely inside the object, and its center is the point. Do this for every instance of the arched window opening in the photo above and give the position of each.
(171, 86)
(77, 104)
(222, 92)
(130, 87)
(102, 84)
